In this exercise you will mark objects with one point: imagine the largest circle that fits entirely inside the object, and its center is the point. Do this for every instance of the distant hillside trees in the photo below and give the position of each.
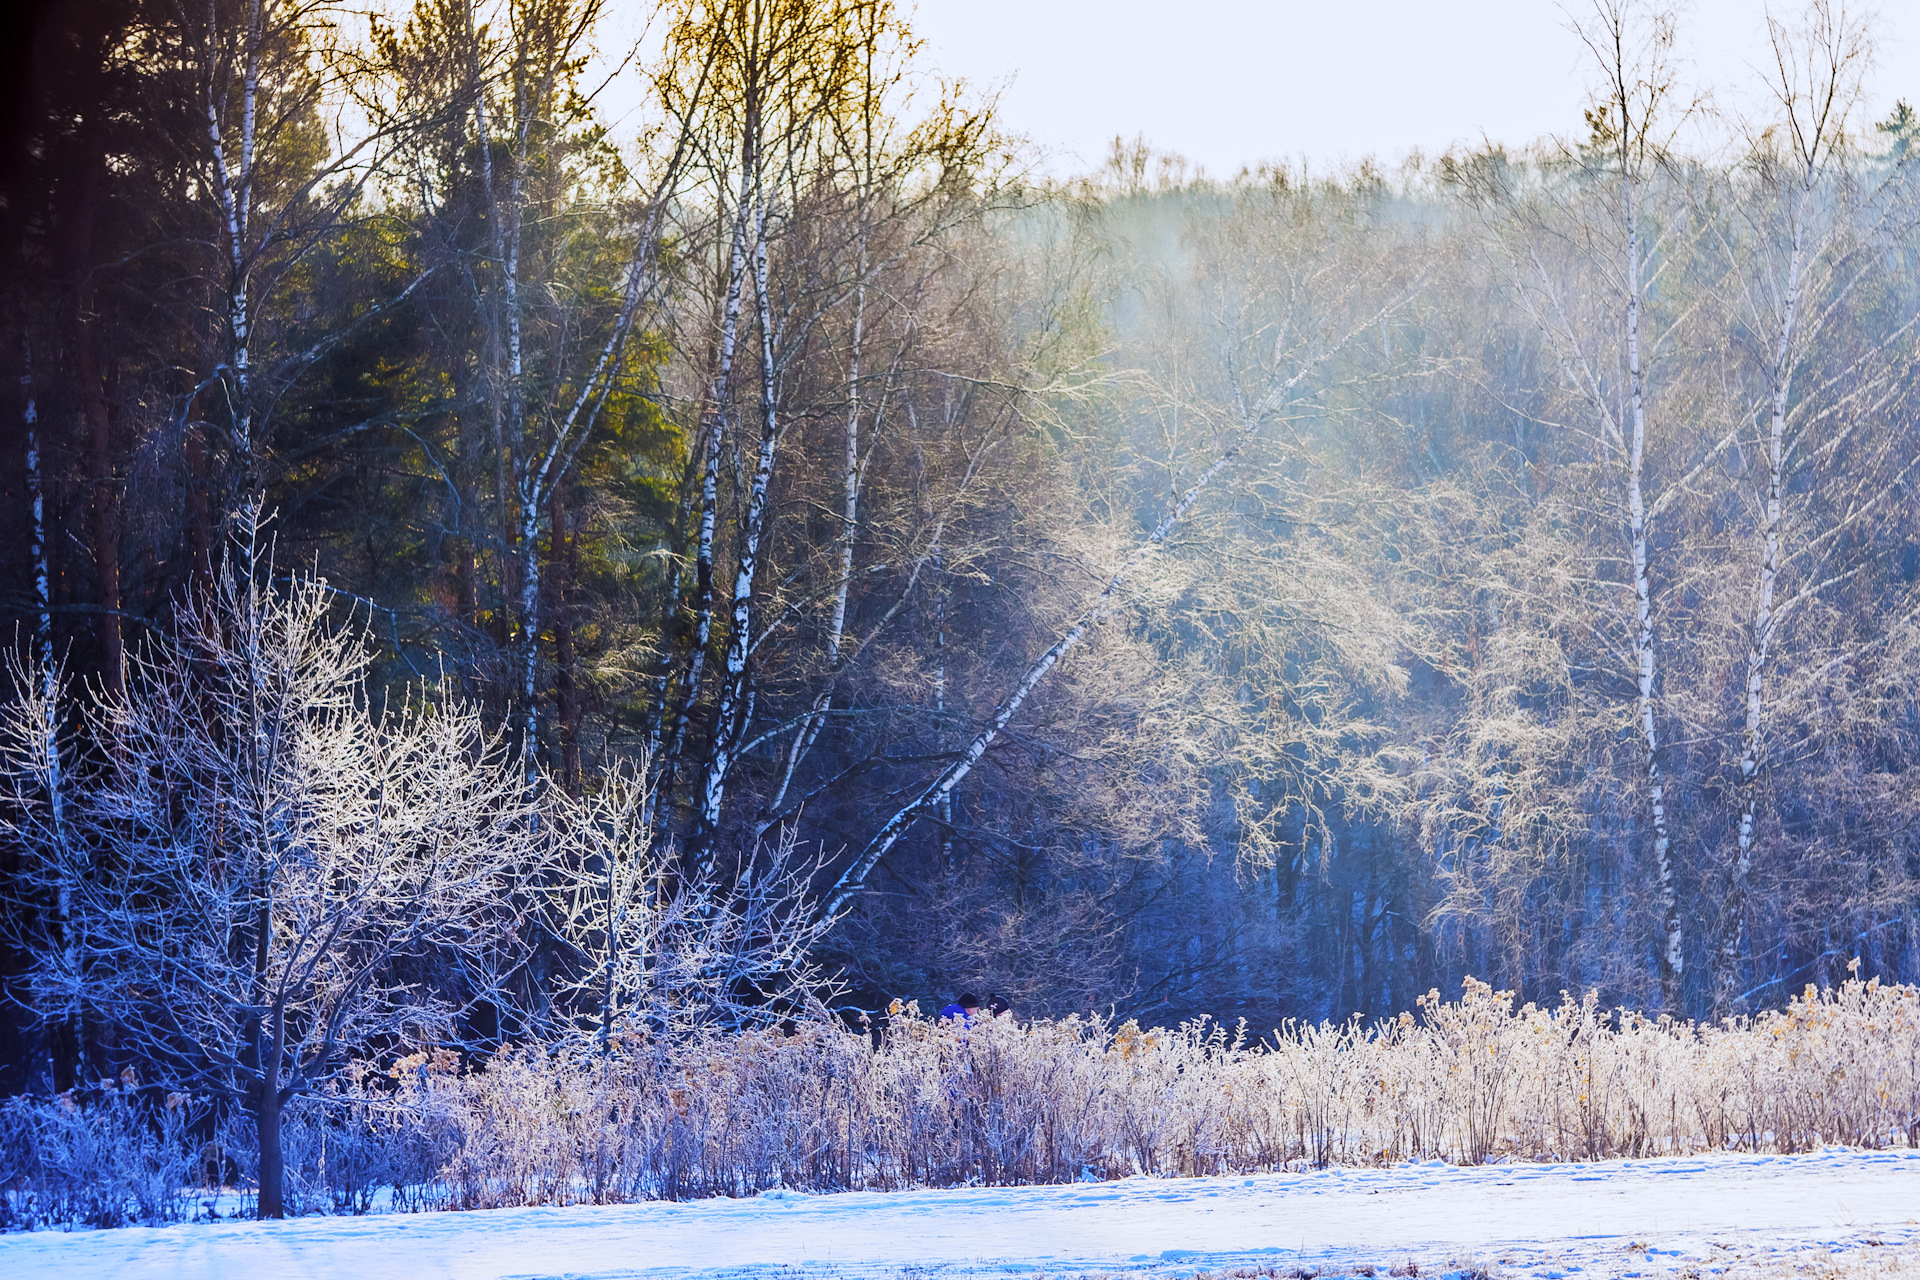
(867, 569)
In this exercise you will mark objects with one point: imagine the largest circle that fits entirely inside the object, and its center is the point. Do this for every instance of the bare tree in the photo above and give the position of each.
(1626, 241)
(660, 953)
(267, 870)
(294, 128)
(1804, 260)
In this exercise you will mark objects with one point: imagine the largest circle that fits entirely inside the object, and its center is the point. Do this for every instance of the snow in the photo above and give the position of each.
(1627, 1218)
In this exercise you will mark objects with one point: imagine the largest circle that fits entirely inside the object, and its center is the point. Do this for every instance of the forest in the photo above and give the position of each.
(484, 572)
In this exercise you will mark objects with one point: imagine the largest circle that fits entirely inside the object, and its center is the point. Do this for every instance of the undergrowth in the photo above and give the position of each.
(934, 1104)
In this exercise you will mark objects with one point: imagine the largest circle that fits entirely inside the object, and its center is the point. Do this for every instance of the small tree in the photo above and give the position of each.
(656, 952)
(267, 873)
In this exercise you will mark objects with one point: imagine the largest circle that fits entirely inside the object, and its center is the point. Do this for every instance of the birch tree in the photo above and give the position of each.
(557, 349)
(1604, 359)
(815, 188)
(39, 743)
(1815, 241)
(283, 162)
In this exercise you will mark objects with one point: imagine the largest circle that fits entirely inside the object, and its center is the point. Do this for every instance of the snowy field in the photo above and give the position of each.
(1830, 1212)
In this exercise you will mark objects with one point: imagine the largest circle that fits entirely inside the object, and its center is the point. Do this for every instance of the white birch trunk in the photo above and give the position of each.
(936, 792)
(1645, 655)
(729, 717)
(36, 501)
(234, 190)
(1761, 627)
(943, 808)
(710, 475)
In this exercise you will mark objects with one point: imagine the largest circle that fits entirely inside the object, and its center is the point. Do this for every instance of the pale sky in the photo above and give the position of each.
(1232, 82)
(1228, 82)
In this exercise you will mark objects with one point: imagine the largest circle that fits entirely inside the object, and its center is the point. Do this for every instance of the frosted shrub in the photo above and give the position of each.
(119, 1157)
(933, 1104)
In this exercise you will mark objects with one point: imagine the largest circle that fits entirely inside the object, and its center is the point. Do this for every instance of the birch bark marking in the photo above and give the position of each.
(36, 501)
(243, 321)
(1673, 952)
(943, 808)
(710, 472)
(1765, 620)
(934, 795)
(1815, 117)
(235, 194)
(729, 721)
(850, 505)
(1759, 645)
(1637, 81)
(525, 105)
(521, 537)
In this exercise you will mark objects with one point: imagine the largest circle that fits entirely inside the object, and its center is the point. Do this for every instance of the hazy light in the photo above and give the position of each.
(1229, 82)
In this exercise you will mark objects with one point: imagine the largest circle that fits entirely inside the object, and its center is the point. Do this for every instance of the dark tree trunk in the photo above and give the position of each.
(466, 590)
(199, 512)
(106, 506)
(560, 567)
(273, 1165)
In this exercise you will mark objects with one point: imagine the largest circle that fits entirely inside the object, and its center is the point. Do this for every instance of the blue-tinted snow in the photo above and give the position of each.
(1657, 1219)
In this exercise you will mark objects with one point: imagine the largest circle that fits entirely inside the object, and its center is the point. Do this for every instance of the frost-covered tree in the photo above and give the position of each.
(657, 952)
(264, 872)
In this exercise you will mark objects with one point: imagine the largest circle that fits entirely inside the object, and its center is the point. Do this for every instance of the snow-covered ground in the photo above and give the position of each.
(1681, 1218)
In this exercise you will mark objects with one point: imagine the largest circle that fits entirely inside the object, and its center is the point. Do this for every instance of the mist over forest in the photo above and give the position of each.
(474, 575)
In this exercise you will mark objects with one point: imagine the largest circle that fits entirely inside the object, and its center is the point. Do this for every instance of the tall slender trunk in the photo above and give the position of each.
(809, 730)
(850, 497)
(1673, 936)
(731, 713)
(943, 808)
(560, 573)
(53, 764)
(36, 502)
(1760, 633)
(716, 430)
(528, 548)
(529, 637)
(234, 191)
(106, 508)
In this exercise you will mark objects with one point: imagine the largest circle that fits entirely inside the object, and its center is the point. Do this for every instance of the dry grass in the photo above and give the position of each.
(1055, 1101)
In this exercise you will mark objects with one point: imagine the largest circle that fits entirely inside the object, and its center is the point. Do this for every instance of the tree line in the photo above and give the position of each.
(815, 554)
